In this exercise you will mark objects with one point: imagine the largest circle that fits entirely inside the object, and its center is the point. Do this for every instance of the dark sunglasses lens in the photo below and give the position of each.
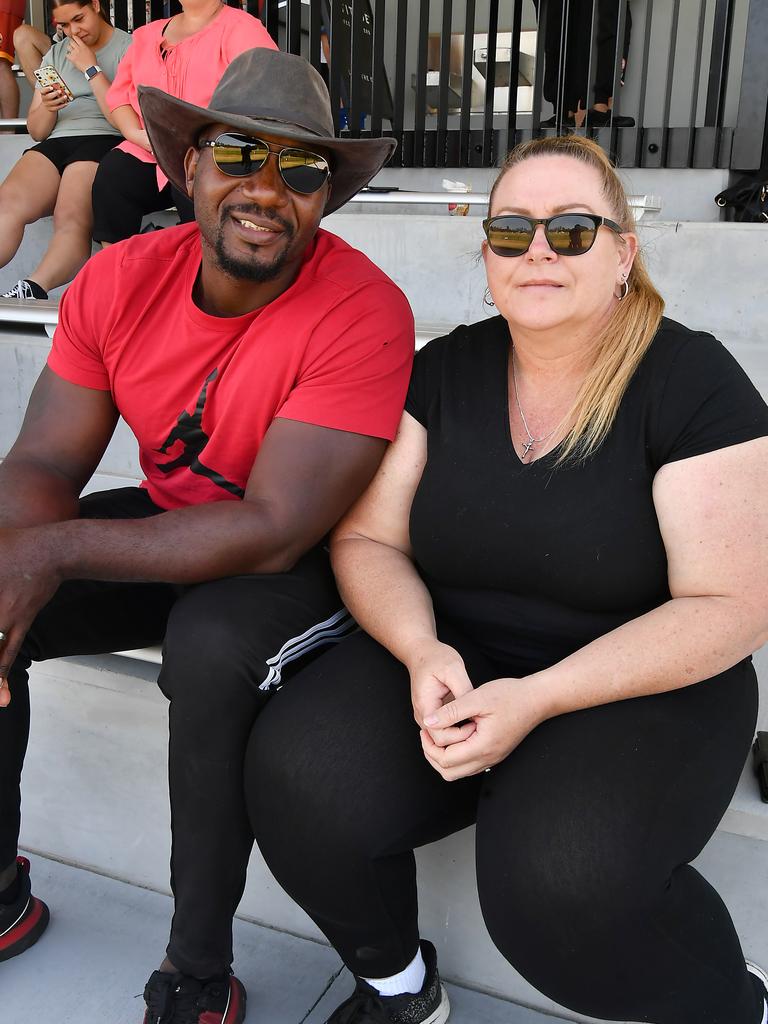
(302, 171)
(509, 236)
(239, 157)
(571, 234)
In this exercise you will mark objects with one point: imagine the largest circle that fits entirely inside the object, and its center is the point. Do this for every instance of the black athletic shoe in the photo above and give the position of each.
(366, 1006)
(158, 995)
(23, 921)
(762, 977)
(569, 121)
(179, 999)
(603, 119)
(25, 289)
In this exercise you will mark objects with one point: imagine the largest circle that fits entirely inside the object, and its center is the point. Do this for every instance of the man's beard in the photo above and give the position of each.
(245, 269)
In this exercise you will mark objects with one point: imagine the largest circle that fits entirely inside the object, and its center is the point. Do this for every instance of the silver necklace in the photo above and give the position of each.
(527, 445)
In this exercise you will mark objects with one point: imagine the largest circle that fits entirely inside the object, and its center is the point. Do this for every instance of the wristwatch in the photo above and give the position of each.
(91, 72)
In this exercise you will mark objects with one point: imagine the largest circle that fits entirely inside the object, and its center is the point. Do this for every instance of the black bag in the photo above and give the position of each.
(747, 200)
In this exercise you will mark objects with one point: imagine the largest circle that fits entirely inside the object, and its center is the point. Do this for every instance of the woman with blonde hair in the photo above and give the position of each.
(561, 569)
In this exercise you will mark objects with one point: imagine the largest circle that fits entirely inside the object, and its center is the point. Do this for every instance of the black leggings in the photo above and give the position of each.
(222, 640)
(124, 191)
(584, 834)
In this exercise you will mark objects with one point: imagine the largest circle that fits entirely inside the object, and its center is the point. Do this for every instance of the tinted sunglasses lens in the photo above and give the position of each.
(303, 172)
(572, 234)
(238, 157)
(509, 236)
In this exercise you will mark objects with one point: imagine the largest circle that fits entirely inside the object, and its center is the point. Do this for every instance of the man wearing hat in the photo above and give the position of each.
(262, 364)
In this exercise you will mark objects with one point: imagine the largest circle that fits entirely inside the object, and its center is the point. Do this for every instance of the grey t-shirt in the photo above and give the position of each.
(82, 116)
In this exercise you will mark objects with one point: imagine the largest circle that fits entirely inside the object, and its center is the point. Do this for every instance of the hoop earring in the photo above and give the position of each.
(625, 287)
(487, 300)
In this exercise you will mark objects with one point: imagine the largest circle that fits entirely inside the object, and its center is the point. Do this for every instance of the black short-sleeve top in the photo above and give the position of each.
(534, 561)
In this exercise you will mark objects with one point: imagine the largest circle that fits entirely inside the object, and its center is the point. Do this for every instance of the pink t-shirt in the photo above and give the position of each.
(190, 70)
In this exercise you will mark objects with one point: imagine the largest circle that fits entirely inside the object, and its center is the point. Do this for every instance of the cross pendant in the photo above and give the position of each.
(527, 445)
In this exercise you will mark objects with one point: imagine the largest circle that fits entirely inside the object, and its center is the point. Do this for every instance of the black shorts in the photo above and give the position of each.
(73, 148)
(124, 190)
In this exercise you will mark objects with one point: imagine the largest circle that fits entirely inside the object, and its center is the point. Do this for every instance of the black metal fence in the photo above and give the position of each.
(458, 82)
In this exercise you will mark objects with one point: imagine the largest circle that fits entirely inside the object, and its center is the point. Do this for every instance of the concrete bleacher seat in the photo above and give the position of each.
(94, 780)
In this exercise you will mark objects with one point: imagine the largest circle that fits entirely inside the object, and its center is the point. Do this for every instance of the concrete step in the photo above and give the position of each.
(106, 937)
(95, 795)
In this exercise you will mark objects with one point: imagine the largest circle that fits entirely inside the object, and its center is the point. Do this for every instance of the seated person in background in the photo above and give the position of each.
(262, 363)
(11, 16)
(185, 56)
(31, 46)
(575, 85)
(55, 177)
(562, 571)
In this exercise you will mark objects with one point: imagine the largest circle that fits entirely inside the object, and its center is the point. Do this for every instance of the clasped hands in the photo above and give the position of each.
(27, 582)
(465, 730)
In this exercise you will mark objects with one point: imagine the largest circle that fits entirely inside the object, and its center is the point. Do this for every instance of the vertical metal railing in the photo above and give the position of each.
(410, 68)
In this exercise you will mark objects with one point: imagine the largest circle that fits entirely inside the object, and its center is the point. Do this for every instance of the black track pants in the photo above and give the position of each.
(222, 640)
(584, 834)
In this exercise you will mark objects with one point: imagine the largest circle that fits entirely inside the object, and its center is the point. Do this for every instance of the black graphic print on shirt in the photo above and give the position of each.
(189, 431)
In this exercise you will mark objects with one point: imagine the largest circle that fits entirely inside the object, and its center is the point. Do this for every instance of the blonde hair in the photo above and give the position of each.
(624, 340)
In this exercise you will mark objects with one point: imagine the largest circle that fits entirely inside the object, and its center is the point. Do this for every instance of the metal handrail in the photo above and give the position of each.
(43, 312)
(641, 204)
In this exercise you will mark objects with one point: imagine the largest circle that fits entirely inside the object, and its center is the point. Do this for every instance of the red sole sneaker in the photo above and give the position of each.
(25, 932)
(235, 1009)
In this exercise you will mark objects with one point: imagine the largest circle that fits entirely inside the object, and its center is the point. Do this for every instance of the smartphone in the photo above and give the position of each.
(48, 75)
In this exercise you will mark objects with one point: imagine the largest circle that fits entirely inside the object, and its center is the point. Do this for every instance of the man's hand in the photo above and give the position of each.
(27, 582)
(500, 714)
(437, 675)
(80, 55)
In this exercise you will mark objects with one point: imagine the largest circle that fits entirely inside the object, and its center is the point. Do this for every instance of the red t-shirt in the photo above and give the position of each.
(199, 391)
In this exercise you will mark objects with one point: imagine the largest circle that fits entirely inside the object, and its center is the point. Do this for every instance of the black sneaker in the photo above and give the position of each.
(23, 921)
(605, 119)
(25, 289)
(366, 1006)
(569, 121)
(158, 995)
(179, 999)
(762, 977)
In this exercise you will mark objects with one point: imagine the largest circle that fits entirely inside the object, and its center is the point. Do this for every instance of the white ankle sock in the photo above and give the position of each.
(409, 980)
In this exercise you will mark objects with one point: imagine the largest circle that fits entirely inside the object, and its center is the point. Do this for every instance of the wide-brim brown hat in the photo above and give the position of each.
(268, 92)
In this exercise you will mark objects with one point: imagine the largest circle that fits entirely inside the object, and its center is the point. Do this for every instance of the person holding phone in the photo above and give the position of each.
(69, 120)
(185, 56)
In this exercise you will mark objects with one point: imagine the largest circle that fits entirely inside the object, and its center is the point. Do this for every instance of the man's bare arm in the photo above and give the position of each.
(65, 432)
(304, 479)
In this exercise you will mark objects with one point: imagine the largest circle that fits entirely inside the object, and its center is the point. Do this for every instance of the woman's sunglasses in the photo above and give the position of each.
(239, 156)
(567, 234)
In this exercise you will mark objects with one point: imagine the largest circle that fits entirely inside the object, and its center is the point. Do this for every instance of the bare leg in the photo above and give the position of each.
(70, 246)
(31, 45)
(27, 194)
(9, 90)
